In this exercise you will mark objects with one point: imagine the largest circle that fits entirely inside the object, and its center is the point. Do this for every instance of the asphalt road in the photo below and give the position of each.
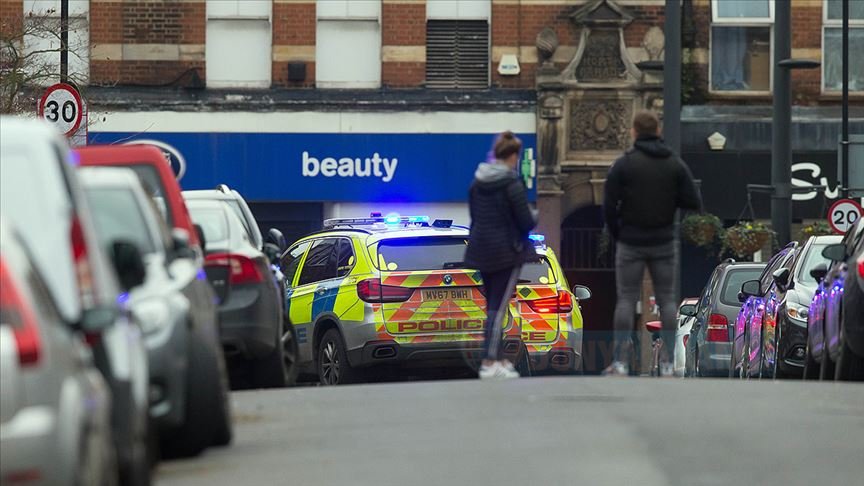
(547, 431)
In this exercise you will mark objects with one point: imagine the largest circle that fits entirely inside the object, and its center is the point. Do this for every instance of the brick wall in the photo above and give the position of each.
(403, 41)
(293, 41)
(140, 42)
(11, 15)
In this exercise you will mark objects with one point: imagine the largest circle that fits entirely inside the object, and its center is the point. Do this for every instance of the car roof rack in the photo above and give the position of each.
(223, 188)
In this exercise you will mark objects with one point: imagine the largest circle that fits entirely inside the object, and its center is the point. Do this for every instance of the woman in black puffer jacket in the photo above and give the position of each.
(501, 220)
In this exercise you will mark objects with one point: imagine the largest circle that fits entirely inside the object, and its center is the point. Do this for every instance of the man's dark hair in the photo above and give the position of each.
(646, 123)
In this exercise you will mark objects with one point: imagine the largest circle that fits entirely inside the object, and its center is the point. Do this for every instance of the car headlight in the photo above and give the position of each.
(152, 315)
(796, 311)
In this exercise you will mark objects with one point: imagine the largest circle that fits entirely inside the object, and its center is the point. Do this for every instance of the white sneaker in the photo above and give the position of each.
(617, 368)
(499, 370)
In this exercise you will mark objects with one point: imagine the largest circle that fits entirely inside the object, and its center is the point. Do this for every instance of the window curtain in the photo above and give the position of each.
(728, 56)
(834, 59)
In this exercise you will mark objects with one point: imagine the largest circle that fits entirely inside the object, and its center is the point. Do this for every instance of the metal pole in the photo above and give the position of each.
(64, 41)
(781, 152)
(672, 76)
(844, 144)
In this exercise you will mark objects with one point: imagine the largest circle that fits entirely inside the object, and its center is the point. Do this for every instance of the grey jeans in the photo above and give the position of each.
(630, 263)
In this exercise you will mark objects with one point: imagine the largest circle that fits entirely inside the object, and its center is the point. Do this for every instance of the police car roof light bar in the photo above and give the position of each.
(391, 220)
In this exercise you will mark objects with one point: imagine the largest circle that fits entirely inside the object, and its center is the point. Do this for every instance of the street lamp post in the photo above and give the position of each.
(844, 143)
(64, 41)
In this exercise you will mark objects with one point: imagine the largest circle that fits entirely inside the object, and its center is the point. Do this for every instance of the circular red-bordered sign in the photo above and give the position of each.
(62, 106)
(843, 215)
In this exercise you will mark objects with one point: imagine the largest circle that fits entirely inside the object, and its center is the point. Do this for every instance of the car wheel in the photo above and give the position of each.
(137, 472)
(208, 419)
(279, 368)
(333, 366)
(850, 366)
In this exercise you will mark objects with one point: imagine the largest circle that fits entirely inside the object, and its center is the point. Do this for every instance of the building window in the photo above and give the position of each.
(457, 44)
(41, 55)
(239, 43)
(832, 46)
(348, 44)
(741, 34)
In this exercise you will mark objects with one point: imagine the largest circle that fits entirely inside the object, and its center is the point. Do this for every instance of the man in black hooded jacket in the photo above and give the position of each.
(644, 189)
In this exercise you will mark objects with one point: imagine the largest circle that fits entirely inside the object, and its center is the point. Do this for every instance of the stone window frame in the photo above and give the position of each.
(741, 22)
(854, 24)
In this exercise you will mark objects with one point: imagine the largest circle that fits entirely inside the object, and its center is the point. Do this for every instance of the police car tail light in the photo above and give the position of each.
(559, 304)
(241, 269)
(718, 328)
(16, 312)
(371, 290)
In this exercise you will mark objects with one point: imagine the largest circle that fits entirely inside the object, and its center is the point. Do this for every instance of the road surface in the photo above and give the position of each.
(540, 431)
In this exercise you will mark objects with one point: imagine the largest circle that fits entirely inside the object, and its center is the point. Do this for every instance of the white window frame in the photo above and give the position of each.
(348, 16)
(835, 24)
(217, 12)
(740, 22)
(716, 19)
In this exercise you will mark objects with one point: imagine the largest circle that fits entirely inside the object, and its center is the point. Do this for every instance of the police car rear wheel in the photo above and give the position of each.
(333, 366)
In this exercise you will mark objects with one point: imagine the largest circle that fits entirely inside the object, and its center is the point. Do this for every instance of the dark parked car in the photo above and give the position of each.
(747, 333)
(784, 322)
(709, 347)
(255, 333)
(835, 346)
(188, 383)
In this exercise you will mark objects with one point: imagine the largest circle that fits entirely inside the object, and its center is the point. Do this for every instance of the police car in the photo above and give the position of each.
(379, 290)
(548, 313)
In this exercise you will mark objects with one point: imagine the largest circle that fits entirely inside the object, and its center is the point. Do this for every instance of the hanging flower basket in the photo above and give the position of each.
(819, 228)
(701, 230)
(746, 238)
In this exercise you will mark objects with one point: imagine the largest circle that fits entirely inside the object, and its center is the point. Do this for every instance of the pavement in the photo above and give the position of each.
(549, 431)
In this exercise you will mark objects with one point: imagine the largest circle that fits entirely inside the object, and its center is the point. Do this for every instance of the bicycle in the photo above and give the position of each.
(654, 327)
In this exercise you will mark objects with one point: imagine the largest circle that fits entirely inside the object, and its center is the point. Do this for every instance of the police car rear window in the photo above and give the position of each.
(537, 273)
(422, 253)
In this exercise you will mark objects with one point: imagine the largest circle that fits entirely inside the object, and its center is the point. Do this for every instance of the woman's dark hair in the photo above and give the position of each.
(506, 145)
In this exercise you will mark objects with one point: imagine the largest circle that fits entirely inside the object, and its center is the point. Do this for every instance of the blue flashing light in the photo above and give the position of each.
(392, 218)
(123, 298)
(418, 219)
(537, 238)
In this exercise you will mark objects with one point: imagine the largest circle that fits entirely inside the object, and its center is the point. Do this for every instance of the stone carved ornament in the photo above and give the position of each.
(599, 125)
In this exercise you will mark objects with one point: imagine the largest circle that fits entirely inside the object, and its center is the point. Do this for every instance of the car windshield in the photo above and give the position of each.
(811, 259)
(422, 253)
(734, 279)
(540, 272)
(117, 216)
(154, 187)
(212, 221)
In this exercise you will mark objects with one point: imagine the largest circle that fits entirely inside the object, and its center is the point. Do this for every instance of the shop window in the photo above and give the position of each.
(239, 43)
(348, 44)
(832, 45)
(741, 34)
(42, 42)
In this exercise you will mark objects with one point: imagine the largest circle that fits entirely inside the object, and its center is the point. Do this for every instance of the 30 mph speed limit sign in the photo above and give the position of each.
(843, 215)
(61, 105)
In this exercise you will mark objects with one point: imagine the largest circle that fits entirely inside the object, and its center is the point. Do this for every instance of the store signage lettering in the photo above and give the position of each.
(811, 177)
(348, 167)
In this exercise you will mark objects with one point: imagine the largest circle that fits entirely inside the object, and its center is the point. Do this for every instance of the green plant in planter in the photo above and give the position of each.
(819, 228)
(747, 237)
(702, 230)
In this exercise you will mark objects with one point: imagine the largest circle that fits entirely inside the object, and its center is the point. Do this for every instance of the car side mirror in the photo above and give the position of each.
(835, 252)
(750, 288)
(128, 263)
(97, 319)
(819, 272)
(688, 310)
(203, 240)
(275, 237)
(272, 252)
(581, 292)
(180, 240)
(781, 277)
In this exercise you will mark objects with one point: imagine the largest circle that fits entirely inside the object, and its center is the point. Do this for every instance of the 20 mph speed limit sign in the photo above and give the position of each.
(843, 215)
(61, 105)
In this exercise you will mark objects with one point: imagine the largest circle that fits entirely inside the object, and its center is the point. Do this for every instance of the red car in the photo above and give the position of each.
(156, 176)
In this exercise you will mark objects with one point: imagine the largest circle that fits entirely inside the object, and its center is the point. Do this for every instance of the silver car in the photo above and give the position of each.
(41, 198)
(188, 387)
(55, 407)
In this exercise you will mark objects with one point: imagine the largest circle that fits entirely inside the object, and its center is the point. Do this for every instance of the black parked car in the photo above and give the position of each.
(256, 337)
